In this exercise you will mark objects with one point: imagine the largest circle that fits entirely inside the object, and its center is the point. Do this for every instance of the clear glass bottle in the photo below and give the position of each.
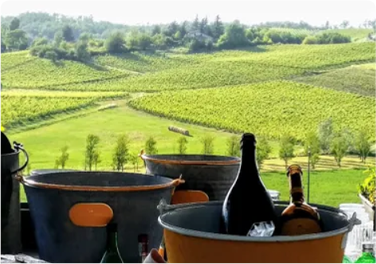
(112, 254)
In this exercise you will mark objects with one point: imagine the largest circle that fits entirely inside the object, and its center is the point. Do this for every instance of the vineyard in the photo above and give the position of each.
(22, 107)
(43, 72)
(269, 108)
(14, 59)
(355, 79)
(149, 73)
(142, 63)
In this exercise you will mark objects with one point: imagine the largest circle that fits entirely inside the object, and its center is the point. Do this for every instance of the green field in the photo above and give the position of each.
(266, 90)
(358, 79)
(269, 109)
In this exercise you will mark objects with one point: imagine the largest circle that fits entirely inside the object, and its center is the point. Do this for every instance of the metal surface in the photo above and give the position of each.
(135, 212)
(211, 174)
(10, 201)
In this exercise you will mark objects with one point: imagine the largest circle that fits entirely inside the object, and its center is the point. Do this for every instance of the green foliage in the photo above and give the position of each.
(353, 79)
(233, 146)
(182, 145)
(92, 152)
(286, 148)
(20, 107)
(234, 37)
(39, 42)
(81, 51)
(44, 73)
(367, 188)
(207, 144)
(61, 161)
(339, 147)
(327, 38)
(67, 33)
(133, 159)
(115, 43)
(14, 24)
(151, 146)
(362, 145)
(263, 108)
(312, 145)
(325, 133)
(120, 155)
(16, 40)
(262, 151)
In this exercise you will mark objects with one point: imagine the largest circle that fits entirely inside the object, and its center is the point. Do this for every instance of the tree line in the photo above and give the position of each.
(78, 39)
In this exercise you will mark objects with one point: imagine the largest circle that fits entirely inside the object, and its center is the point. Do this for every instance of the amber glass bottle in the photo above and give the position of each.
(298, 218)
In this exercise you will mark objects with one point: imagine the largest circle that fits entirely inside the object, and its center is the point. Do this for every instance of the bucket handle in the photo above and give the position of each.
(18, 147)
(352, 222)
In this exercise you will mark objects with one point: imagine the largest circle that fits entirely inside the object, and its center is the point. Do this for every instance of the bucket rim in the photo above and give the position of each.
(219, 236)
(161, 160)
(30, 182)
(15, 152)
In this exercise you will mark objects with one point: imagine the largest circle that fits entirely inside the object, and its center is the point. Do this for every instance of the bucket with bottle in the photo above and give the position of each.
(70, 212)
(248, 226)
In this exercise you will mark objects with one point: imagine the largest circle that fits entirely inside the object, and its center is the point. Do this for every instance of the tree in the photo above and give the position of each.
(16, 40)
(81, 51)
(58, 38)
(196, 24)
(345, 24)
(3, 46)
(312, 144)
(234, 37)
(120, 155)
(156, 30)
(115, 43)
(208, 145)
(68, 33)
(362, 145)
(151, 146)
(144, 41)
(339, 147)
(286, 148)
(63, 158)
(14, 24)
(263, 150)
(182, 145)
(325, 133)
(133, 159)
(233, 146)
(217, 28)
(39, 42)
(327, 25)
(92, 152)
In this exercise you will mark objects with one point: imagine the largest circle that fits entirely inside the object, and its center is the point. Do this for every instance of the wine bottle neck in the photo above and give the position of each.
(296, 188)
(248, 165)
(112, 241)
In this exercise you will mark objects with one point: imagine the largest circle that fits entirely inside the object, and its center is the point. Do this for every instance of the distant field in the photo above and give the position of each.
(20, 107)
(142, 63)
(355, 79)
(267, 108)
(15, 59)
(42, 72)
(355, 33)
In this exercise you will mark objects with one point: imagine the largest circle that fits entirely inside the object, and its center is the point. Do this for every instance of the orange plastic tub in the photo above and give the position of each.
(191, 233)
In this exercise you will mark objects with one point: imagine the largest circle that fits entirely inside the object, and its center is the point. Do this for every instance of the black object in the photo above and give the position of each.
(248, 201)
(112, 254)
(10, 197)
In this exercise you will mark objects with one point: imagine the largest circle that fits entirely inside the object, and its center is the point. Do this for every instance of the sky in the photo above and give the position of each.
(141, 12)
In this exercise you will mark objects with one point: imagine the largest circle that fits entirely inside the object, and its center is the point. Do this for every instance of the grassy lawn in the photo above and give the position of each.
(329, 185)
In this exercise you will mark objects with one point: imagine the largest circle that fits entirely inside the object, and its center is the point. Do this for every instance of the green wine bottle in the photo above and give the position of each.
(368, 254)
(112, 254)
(346, 259)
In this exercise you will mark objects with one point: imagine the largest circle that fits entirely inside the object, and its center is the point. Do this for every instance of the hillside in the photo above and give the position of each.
(269, 108)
